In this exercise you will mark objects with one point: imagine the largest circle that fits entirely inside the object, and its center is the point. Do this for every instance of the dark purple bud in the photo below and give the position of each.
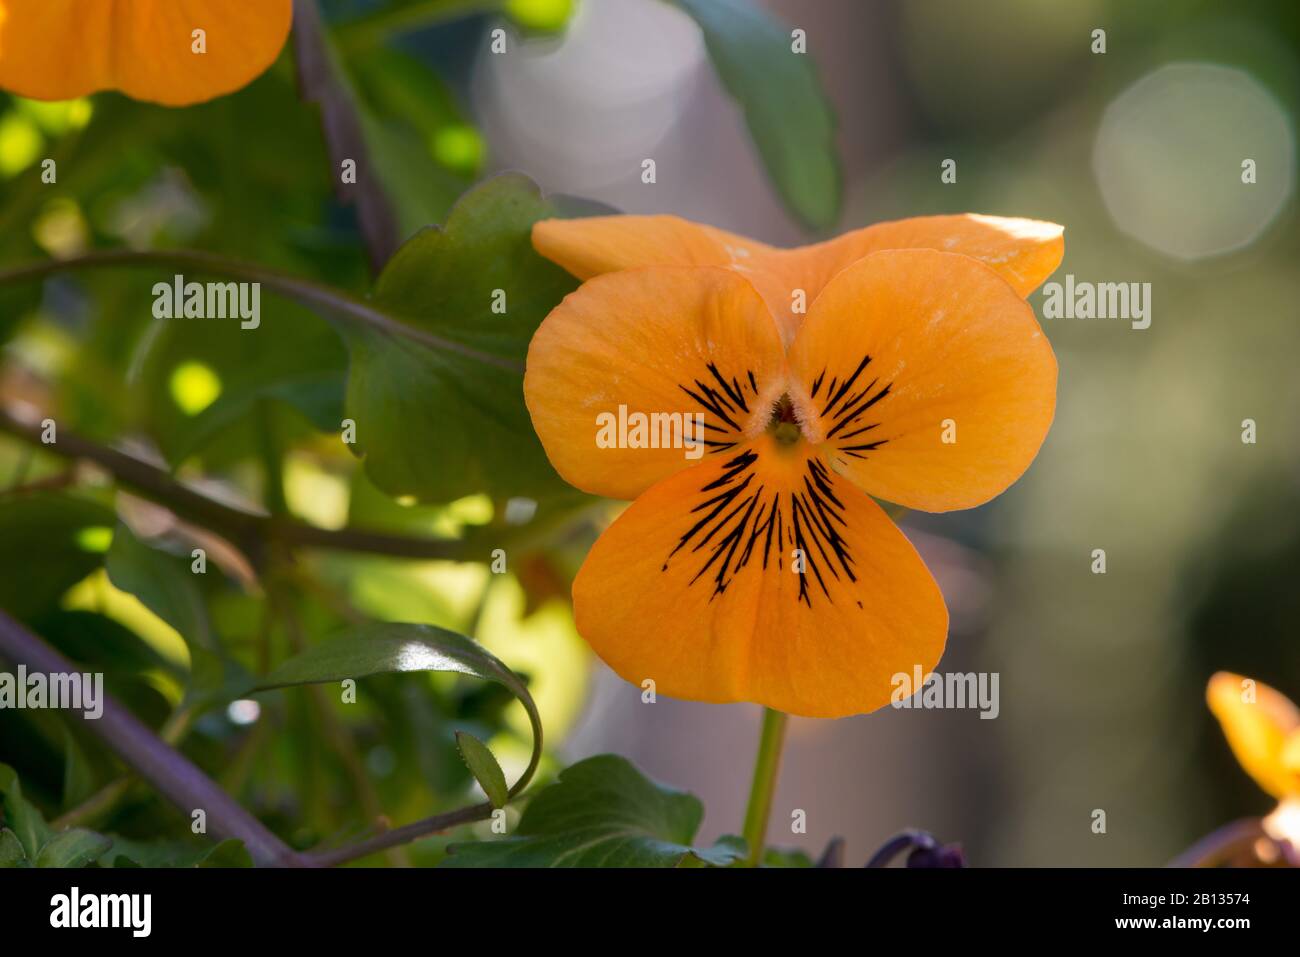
(926, 851)
(947, 855)
(833, 856)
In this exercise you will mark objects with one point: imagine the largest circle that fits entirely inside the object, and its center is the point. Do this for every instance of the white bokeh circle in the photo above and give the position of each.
(1168, 159)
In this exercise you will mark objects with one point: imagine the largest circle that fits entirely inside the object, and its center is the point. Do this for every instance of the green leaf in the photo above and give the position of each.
(215, 679)
(168, 588)
(602, 812)
(163, 582)
(11, 850)
(20, 817)
(435, 372)
(229, 853)
(785, 107)
(55, 534)
(95, 640)
(73, 848)
(393, 647)
(786, 857)
(16, 303)
(440, 413)
(291, 357)
(730, 850)
(129, 852)
(483, 765)
(79, 778)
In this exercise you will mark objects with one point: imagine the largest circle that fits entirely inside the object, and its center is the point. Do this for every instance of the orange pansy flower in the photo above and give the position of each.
(148, 49)
(1263, 729)
(756, 566)
(1024, 252)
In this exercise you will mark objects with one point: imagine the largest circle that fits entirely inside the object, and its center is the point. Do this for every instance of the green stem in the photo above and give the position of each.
(763, 788)
(272, 462)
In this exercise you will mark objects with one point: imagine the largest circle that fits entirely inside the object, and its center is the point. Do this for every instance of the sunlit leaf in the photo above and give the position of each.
(378, 648)
(483, 765)
(79, 778)
(11, 850)
(229, 853)
(46, 532)
(602, 812)
(73, 848)
(443, 415)
(291, 357)
(129, 852)
(19, 816)
(163, 582)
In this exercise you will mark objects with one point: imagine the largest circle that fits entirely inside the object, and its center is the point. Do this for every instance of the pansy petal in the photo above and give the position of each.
(694, 587)
(59, 49)
(619, 371)
(925, 378)
(1258, 723)
(599, 244)
(1291, 754)
(1024, 252)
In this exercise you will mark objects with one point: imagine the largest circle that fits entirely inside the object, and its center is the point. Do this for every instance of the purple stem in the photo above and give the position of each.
(173, 775)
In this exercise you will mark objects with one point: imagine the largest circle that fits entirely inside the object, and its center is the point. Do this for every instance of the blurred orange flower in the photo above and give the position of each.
(173, 52)
(1263, 729)
(899, 361)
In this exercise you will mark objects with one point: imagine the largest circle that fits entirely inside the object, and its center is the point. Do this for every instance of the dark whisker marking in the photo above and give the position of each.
(720, 579)
(859, 451)
(753, 535)
(780, 540)
(725, 498)
(817, 383)
(836, 542)
(816, 495)
(700, 524)
(724, 399)
(732, 389)
(868, 447)
(714, 395)
(773, 518)
(733, 468)
(848, 384)
(723, 523)
(801, 543)
(865, 428)
(738, 515)
(711, 404)
(849, 416)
